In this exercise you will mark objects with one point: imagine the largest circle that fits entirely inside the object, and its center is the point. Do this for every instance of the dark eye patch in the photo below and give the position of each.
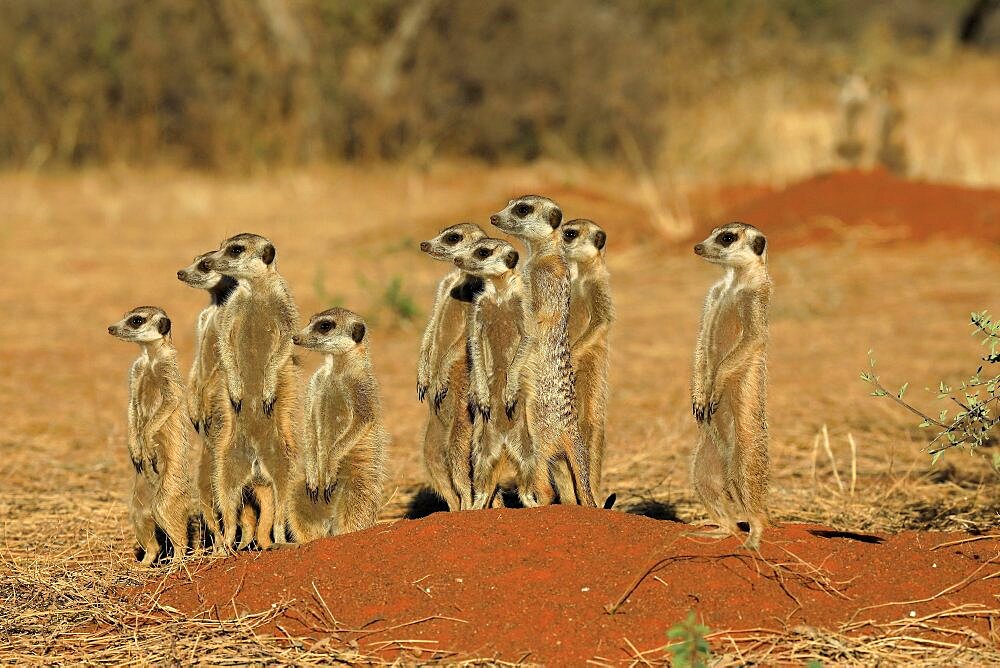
(726, 238)
(483, 253)
(236, 251)
(569, 235)
(136, 321)
(453, 238)
(324, 326)
(522, 210)
(204, 267)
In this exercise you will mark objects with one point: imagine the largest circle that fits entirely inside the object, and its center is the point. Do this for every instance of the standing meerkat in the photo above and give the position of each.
(729, 386)
(205, 381)
(542, 362)
(890, 148)
(855, 94)
(442, 371)
(163, 492)
(258, 441)
(494, 335)
(343, 462)
(591, 312)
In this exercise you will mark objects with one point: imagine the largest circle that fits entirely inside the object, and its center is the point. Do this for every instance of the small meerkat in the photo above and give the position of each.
(442, 371)
(730, 466)
(494, 335)
(855, 94)
(204, 383)
(541, 367)
(591, 312)
(890, 148)
(163, 494)
(258, 441)
(343, 465)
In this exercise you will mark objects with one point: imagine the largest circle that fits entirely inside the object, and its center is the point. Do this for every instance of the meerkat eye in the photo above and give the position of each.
(453, 238)
(236, 251)
(569, 235)
(324, 326)
(726, 238)
(483, 253)
(136, 321)
(522, 210)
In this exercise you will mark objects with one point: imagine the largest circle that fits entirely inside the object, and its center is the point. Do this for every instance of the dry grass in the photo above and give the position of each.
(80, 250)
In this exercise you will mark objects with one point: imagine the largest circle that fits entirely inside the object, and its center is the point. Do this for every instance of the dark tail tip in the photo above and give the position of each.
(610, 501)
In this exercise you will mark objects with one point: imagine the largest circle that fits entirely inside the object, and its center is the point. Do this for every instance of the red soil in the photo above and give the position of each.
(818, 209)
(533, 584)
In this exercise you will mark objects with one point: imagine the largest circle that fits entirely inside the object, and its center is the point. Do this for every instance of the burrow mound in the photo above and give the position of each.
(829, 206)
(535, 585)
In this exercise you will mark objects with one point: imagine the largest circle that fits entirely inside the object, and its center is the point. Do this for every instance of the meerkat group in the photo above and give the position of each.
(513, 365)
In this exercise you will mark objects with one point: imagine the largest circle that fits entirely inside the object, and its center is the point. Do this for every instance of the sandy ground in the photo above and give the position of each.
(81, 250)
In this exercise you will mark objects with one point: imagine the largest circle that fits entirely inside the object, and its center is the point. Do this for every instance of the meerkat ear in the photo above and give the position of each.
(358, 332)
(600, 239)
(163, 326)
(759, 243)
(555, 217)
(511, 259)
(268, 255)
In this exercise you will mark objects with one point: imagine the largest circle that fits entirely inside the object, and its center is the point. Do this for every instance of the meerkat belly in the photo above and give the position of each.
(337, 413)
(148, 390)
(451, 330)
(579, 317)
(727, 331)
(255, 338)
(208, 354)
(502, 337)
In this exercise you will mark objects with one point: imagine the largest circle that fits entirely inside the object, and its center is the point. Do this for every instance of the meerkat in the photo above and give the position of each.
(852, 101)
(203, 386)
(494, 335)
(339, 488)
(890, 149)
(544, 350)
(442, 372)
(730, 466)
(163, 495)
(591, 313)
(257, 443)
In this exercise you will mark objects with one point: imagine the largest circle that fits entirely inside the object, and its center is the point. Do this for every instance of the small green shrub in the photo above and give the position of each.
(689, 646)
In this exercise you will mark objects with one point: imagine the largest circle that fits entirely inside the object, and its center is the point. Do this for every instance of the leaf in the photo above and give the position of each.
(936, 457)
(902, 390)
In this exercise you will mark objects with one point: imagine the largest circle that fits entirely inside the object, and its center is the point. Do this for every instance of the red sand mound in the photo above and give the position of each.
(814, 209)
(534, 584)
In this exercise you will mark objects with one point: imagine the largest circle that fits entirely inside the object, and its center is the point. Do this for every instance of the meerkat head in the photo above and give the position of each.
(142, 324)
(452, 240)
(582, 240)
(734, 245)
(335, 331)
(529, 217)
(243, 256)
(200, 274)
(487, 258)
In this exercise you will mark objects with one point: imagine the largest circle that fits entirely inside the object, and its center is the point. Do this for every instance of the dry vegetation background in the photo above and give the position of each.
(135, 135)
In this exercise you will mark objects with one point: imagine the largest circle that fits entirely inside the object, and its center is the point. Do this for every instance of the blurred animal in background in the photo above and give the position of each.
(890, 149)
(541, 375)
(730, 467)
(163, 495)
(442, 370)
(855, 93)
(339, 477)
(499, 437)
(257, 444)
(591, 312)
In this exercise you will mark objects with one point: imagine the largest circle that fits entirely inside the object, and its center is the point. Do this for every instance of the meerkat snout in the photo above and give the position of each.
(699, 249)
(494, 219)
(296, 339)
(425, 246)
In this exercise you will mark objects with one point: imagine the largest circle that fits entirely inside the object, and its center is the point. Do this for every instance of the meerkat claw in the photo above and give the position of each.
(421, 392)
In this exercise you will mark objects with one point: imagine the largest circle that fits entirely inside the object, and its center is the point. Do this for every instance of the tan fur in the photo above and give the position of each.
(163, 493)
(257, 439)
(853, 101)
(730, 467)
(339, 481)
(442, 374)
(591, 313)
(890, 148)
(541, 371)
(500, 440)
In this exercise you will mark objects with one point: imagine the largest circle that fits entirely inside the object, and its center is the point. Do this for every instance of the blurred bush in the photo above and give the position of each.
(240, 83)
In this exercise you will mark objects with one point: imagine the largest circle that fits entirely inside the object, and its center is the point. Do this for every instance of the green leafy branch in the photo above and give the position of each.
(976, 399)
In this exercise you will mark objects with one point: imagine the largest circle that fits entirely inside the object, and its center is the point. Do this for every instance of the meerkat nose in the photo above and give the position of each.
(111, 330)
(296, 339)
(699, 249)
(181, 274)
(494, 219)
(425, 246)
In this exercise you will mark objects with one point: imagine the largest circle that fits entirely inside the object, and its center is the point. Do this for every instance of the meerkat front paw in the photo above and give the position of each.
(438, 392)
(236, 396)
(267, 403)
(510, 396)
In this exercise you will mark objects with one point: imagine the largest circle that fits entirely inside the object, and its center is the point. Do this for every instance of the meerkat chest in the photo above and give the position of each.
(148, 391)
(500, 329)
(726, 319)
(579, 311)
(335, 403)
(453, 320)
